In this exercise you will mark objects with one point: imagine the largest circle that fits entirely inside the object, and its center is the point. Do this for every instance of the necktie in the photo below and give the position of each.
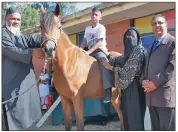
(155, 44)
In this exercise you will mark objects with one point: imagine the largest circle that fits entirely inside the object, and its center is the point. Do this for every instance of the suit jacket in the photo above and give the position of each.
(17, 76)
(160, 68)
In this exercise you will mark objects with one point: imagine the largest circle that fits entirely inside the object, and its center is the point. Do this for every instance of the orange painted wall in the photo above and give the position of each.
(114, 35)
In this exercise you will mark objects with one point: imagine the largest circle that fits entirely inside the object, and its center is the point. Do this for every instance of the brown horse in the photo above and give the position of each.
(76, 75)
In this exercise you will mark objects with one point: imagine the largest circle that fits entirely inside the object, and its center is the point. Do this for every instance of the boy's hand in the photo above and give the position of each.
(82, 50)
(86, 52)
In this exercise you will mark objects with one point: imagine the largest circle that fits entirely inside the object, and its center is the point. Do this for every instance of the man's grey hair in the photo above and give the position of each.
(158, 15)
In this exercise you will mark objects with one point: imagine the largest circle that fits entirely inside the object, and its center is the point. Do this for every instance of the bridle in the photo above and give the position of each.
(51, 38)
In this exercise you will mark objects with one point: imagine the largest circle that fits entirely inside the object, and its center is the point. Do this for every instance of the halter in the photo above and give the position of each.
(53, 39)
(49, 39)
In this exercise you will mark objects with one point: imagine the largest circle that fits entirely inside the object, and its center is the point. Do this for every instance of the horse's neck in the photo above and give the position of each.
(71, 62)
(65, 48)
(64, 42)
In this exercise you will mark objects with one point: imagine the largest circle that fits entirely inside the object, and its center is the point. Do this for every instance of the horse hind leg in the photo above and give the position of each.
(67, 109)
(116, 104)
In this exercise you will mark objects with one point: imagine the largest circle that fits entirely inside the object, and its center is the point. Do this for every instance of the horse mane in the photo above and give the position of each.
(48, 18)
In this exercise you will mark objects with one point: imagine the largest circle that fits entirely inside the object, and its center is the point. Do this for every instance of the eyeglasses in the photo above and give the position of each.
(155, 23)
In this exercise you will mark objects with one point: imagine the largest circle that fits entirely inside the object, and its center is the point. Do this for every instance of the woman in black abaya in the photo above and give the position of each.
(127, 73)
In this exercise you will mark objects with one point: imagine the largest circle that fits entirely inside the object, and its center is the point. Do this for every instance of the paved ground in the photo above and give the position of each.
(112, 125)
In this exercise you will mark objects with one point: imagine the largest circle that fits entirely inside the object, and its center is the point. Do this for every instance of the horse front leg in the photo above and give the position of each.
(67, 109)
(116, 93)
(78, 107)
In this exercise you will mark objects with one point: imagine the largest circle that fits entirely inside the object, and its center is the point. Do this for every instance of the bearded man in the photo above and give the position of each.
(18, 73)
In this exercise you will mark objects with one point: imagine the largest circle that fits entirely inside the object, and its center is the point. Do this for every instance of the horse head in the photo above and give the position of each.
(50, 30)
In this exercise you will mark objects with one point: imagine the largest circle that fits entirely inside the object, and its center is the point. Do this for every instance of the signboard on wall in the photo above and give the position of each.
(147, 40)
(73, 39)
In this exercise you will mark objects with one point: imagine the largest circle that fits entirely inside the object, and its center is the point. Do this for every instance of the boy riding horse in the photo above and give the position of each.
(95, 41)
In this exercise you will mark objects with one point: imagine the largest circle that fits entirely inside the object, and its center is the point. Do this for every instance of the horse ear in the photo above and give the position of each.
(42, 10)
(57, 9)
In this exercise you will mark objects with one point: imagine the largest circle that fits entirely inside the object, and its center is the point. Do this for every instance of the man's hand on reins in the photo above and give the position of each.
(38, 53)
(53, 61)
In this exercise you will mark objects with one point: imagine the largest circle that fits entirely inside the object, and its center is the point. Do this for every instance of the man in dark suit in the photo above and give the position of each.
(160, 77)
(18, 74)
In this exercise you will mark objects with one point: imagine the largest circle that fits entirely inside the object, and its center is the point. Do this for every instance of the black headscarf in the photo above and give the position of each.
(130, 43)
(12, 10)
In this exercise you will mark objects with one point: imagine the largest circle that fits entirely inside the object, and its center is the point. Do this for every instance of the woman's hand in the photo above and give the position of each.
(107, 65)
(113, 53)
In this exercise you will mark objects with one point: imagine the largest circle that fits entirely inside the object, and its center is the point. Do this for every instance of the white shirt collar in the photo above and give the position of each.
(160, 38)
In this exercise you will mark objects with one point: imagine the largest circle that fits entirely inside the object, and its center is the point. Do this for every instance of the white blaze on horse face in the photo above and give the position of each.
(50, 49)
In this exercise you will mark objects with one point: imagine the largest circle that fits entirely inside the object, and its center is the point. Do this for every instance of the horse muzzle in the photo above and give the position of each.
(50, 48)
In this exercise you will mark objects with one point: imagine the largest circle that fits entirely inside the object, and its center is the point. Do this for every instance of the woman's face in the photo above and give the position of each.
(131, 38)
(131, 34)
